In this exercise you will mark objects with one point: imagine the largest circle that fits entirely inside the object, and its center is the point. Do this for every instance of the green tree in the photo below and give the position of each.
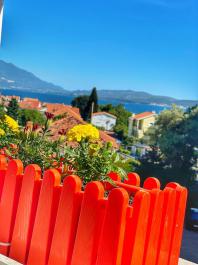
(92, 104)
(93, 99)
(121, 128)
(81, 103)
(35, 116)
(13, 109)
(86, 104)
(175, 144)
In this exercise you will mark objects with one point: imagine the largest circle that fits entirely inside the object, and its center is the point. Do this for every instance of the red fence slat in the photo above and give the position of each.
(151, 183)
(136, 227)
(166, 226)
(86, 244)
(180, 206)
(133, 179)
(66, 222)
(9, 202)
(26, 212)
(3, 168)
(45, 218)
(112, 238)
(153, 230)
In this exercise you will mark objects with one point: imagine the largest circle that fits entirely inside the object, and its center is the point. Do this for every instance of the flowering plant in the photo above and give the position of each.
(8, 124)
(82, 154)
(8, 130)
(83, 132)
(31, 144)
(91, 159)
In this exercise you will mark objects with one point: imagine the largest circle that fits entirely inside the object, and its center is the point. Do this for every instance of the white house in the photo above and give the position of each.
(103, 120)
(1, 17)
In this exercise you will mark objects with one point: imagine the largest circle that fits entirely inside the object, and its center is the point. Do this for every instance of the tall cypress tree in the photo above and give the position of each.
(92, 104)
(13, 109)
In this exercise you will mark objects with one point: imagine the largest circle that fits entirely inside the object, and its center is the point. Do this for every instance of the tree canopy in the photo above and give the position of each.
(81, 103)
(174, 145)
(13, 109)
(35, 116)
(86, 104)
(121, 128)
(92, 104)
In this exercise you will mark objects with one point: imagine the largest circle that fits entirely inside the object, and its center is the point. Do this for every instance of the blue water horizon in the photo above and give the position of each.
(67, 99)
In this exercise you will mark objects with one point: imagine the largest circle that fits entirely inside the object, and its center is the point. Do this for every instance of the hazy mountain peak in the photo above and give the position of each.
(23, 80)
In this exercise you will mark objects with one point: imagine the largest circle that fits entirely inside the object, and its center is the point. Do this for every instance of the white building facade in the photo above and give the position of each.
(103, 120)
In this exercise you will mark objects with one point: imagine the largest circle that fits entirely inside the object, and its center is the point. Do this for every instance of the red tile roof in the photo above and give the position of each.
(143, 115)
(107, 138)
(104, 113)
(30, 99)
(60, 109)
(29, 103)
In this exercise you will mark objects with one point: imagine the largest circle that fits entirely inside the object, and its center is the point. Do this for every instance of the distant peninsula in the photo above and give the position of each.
(15, 78)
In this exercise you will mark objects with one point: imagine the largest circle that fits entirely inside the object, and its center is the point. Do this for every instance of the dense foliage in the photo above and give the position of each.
(121, 128)
(80, 152)
(81, 103)
(174, 147)
(86, 104)
(13, 109)
(92, 105)
(91, 159)
(24, 115)
(34, 116)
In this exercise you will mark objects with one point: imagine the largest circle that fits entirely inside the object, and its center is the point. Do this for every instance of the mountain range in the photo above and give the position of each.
(15, 78)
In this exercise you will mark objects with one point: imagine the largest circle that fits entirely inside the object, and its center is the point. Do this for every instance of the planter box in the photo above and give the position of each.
(38, 214)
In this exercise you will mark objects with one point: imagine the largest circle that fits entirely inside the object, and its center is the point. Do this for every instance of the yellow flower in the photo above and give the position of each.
(2, 132)
(80, 132)
(12, 124)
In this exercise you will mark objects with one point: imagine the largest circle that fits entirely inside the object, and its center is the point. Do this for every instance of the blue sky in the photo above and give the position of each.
(144, 45)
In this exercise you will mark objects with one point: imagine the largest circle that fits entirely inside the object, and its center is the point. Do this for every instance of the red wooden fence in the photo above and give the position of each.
(44, 222)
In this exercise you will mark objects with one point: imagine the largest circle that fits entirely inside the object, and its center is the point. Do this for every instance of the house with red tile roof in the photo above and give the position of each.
(6, 99)
(30, 103)
(71, 117)
(140, 123)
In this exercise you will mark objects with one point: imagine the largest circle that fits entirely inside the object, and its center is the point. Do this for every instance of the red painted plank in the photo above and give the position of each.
(166, 226)
(153, 229)
(9, 202)
(180, 207)
(87, 238)
(152, 183)
(66, 222)
(133, 179)
(45, 218)
(3, 168)
(136, 227)
(112, 238)
(26, 212)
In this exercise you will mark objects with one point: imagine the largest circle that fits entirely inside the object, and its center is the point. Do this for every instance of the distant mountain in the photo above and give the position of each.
(138, 97)
(14, 78)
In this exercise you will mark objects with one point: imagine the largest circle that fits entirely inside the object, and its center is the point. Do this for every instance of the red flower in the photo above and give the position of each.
(62, 132)
(35, 127)
(49, 115)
